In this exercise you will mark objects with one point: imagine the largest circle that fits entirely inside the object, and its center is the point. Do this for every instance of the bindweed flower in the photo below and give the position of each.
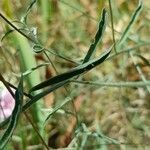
(7, 104)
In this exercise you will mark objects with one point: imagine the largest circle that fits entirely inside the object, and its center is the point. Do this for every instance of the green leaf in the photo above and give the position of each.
(133, 18)
(24, 19)
(98, 37)
(34, 68)
(15, 116)
(9, 32)
(6, 34)
(44, 93)
(57, 108)
(143, 59)
(73, 72)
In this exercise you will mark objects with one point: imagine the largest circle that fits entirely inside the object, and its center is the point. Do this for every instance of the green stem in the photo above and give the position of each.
(28, 61)
(115, 84)
(112, 26)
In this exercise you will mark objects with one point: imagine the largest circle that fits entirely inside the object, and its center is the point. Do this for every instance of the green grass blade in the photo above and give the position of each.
(29, 71)
(42, 94)
(133, 18)
(46, 14)
(9, 32)
(6, 34)
(147, 63)
(57, 108)
(15, 116)
(24, 19)
(73, 72)
(98, 37)
(112, 24)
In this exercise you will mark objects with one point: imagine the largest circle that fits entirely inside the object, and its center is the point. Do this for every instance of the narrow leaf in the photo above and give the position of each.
(143, 59)
(73, 72)
(57, 108)
(24, 19)
(44, 93)
(9, 32)
(34, 68)
(133, 18)
(6, 34)
(98, 37)
(15, 116)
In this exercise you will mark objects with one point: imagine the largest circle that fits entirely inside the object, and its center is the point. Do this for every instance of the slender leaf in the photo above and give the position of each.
(15, 116)
(73, 72)
(133, 18)
(143, 59)
(8, 32)
(34, 68)
(57, 108)
(44, 93)
(98, 37)
(24, 19)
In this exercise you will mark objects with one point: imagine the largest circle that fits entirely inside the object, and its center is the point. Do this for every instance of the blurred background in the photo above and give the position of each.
(105, 116)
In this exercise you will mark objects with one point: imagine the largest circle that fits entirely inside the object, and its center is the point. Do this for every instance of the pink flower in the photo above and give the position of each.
(7, 104)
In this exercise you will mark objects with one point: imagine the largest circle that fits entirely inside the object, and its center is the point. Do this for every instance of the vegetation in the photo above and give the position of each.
(83, 73)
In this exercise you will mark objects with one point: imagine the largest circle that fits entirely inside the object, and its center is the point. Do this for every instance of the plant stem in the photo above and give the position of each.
(36, 130)
(13, 26)
(114, 84)
(112, 26)
(140, 72)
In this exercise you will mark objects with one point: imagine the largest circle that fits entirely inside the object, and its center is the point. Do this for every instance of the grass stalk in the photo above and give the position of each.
(125, 34)
(115, 84)
(46, 15)
(37, 132)
(127, 50)
(140, 72)
(112, 25)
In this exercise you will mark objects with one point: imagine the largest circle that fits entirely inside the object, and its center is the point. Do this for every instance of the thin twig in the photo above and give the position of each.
(7, 85)
(114, 84)
(36, 130)
(64, 86)
(139, 71)
(19, 31)
(30, 39)
(26, 94)
(128, 50)
(62, 57)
